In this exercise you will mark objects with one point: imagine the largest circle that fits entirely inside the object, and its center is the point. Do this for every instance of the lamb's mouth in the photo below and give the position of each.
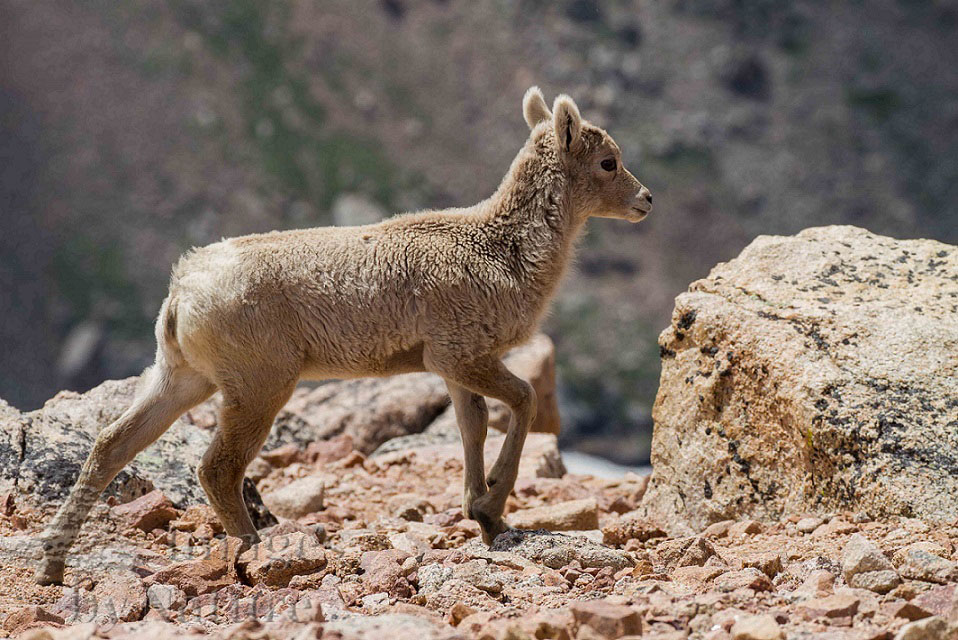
(641, 212)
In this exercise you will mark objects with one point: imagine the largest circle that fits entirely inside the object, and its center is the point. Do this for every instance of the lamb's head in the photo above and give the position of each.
(599, 184)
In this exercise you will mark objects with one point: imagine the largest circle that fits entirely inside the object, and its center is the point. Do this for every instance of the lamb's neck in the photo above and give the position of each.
(531, 215)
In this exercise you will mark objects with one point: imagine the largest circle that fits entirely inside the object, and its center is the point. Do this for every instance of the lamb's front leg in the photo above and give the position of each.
(487, 376)
(473, 419)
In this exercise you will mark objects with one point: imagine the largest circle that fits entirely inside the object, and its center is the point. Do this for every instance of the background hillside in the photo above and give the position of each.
(132, 131)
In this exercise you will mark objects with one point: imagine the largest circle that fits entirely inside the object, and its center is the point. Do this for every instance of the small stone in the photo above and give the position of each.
(282, 456)
(631, 526)
(151, 511)
(607, 619)
(866, 567)
(206, 575)
(860, 555)
(768, 562)
(833, 528)
(933, 628)
(877, 581)
(918, 564)
(277, 559)
(718, 529)
(818, 583)
(574, 515)
(745, 528)
(298, 498)
(838, 605)
(809, 524)
(21, 618)
(745, 579)
(196, 515)
(940, 601)
(685, 552)
(555, 550)
(121, 597)
(410, 507)
(165, 598)
(383, 571)
(762, 627)
(906, 610)
(458, 613)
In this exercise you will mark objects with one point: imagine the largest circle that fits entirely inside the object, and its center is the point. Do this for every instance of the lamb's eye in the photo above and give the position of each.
(608, 164)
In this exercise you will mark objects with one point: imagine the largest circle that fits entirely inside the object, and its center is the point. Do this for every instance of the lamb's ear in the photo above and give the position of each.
(567, 121)
(534, 108)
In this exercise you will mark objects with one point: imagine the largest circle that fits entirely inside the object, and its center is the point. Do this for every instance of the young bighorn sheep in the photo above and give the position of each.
(441, 291)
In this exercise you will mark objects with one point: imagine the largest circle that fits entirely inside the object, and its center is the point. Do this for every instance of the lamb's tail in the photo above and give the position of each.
(167, 345)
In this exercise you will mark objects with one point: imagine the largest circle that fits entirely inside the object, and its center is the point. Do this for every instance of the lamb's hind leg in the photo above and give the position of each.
(489, 377)
(245, 420)
(473, 418)
(166, 393)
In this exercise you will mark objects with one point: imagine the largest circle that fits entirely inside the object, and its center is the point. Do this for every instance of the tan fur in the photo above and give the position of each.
(441, 291)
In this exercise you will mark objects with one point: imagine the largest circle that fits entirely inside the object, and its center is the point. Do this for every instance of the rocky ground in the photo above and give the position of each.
(377, 545)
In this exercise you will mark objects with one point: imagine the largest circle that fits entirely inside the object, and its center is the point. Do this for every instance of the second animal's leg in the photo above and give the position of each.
(245, 420)
(473, 418)
(489, 377)
(166, 393)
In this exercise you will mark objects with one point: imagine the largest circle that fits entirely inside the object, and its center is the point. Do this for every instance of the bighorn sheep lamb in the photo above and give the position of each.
(441, 291)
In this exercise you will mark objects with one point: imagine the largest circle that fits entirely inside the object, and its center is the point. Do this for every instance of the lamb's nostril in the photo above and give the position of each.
(648, 197)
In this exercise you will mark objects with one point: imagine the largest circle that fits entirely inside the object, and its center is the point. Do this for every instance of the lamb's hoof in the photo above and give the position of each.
(491, 528)
(50, 571)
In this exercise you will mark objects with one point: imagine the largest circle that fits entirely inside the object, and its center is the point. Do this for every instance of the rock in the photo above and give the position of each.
(835, 527)
(31, 615)
(685, 552)
(762, 627)
(745, 528)
(750, 578)
(866, 567)
(631, 526)
(877, 581)
(383, 571)
(151, 511)
(933, 628)
(165, 598)
(369, 410)
(718, 529)
(574, 515)
(918, 564)
(556, 550)
(206, 575)
(838, 605)
(275, 560)
(807, 525)
(768, 562)
(409, 506)
(196, 516)
(819, 583)
(811, 373)
(940, 601)
(297, 499)
(121, 597)
(607, 619)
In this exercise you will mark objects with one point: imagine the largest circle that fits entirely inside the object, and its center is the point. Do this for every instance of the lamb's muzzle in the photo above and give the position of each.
(441, 291)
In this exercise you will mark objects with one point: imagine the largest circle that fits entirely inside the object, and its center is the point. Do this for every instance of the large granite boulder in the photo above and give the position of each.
(817, 372)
